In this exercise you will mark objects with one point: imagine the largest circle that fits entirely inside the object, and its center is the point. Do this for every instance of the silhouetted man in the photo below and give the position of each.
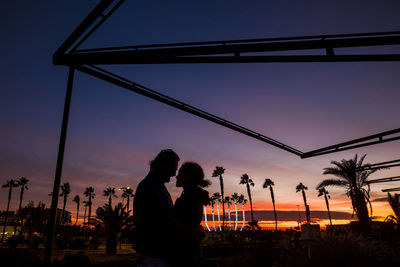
(152, 207)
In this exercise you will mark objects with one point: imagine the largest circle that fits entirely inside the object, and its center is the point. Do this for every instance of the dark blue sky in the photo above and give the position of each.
(114, 133)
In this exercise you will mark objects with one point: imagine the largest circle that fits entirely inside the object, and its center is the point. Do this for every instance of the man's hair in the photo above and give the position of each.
(195, 173)
(166, 156)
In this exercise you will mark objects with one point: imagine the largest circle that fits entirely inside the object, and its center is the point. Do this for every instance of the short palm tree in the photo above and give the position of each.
(228, 202)
(65, 191)
(110, 193)
(89, 193)
(302, 188)
(128, 193)
(323, 192)
(235, 200)
(85, 204)
(212, 203)
(10, 184)
(242, 201)
(218, 173)
(244, 179)
(22, 182)
(111, 222)
(269, 183)
(394, 202)
(217, 198)
(77, 200)
(352, 175)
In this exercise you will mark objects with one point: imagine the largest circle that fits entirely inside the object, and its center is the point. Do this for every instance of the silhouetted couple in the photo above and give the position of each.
(167, 234)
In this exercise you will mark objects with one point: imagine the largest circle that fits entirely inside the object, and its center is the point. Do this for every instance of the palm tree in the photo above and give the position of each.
(269, 183)
(110, 193)
(65, 191)
(352, 175)
(326, 195)
(89, 193)
(302, 188)
(217, 197)
(128, 193)
(85, 204)
(242, 201)
(244, 179)
(21, 182)
(10, 184)
(212, 203)
(235, 199)
(111, 221)
(394, 202)
(228, 201)
(77, 200)
(205, 218)
(218, 173)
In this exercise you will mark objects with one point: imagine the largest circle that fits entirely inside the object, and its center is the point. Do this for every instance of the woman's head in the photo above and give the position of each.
(191, 174)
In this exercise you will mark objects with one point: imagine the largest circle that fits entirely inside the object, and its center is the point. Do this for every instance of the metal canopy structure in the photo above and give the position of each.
(391, 189)
(229, 51)
(385, 164)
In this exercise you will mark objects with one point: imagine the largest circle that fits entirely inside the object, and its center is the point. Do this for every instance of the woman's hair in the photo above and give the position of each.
(195, 173)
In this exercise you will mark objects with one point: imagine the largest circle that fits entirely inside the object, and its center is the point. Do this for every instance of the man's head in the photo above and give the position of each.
(165, 165)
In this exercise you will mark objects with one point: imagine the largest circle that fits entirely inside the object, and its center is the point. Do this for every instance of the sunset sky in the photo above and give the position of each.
(113, 133)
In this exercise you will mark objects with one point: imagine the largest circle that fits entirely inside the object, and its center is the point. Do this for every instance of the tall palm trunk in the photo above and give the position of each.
(236, 214)
(243, 217)
(63, 210)
(273, 204)
(307, 207)
(213, 218)
(21, 195)
(84, 216)
(109, 200)
(361, 210)
(77, 213)
(229, 216)
(90, 208)
(251, 203)
(327, 207)
(127, 204)
(205, 218)
(5, 217)
(219, 218)
(221, 182)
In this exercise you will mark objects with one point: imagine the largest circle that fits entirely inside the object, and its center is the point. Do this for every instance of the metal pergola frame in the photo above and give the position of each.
(229, 51)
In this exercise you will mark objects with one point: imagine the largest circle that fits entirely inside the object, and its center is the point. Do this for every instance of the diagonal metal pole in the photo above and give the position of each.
(57, 179)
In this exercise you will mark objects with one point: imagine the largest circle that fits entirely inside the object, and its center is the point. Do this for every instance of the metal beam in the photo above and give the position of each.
(134, 87)
(359, 142)
(384, 180)
(386, 164)
(232, 51)
(391, 189)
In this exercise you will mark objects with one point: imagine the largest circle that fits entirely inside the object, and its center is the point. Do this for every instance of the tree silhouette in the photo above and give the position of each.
(10, 184)
(127, 193)
(228, 202)
(322, 191)
(235, 199)
(217, 198)
(22, 183)
(302, 188)
(352, 176)
(65, 191)
(242, 201)
(77, 200)
(394, 202)
(244, 179)
(110, 193)
(212, 203)
(85, 204)
(269, 183)
(89, 193)
(218, 173)
(111, 222)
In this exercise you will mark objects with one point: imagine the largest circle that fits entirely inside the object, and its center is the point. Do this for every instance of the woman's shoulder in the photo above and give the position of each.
(199, 194)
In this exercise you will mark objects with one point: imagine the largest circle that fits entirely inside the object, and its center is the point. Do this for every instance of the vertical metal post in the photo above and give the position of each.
(57, 179)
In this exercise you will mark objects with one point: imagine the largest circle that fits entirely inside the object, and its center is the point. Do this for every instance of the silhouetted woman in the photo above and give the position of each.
(188, 210)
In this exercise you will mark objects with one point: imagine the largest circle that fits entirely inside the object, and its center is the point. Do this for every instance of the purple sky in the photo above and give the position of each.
(114, 133)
